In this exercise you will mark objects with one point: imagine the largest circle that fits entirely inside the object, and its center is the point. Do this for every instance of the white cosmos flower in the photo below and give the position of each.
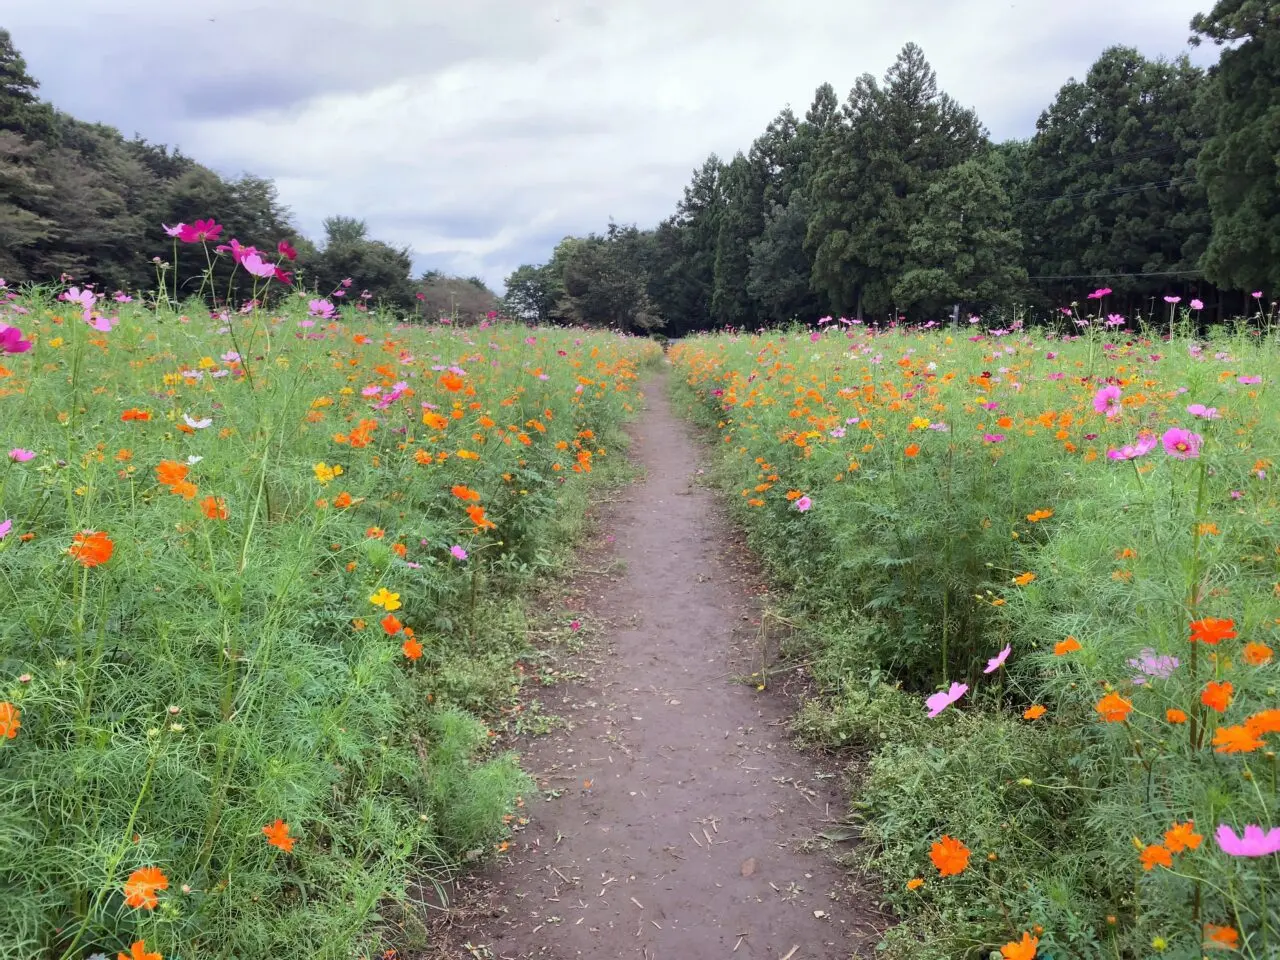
(197, 424)
(194, 459)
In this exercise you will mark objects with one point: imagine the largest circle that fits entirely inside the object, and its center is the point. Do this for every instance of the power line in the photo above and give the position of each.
(1111, 276)
(1113, 192)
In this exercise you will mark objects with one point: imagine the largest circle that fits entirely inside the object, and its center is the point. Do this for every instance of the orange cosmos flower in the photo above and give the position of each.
(1154, 856)
(411, 648)
(1063, 647)
(140, 889)
(277, 835)
(400, 550)
(1039, 515)
(434, 420)
(476, 513)
(915, 883)
(138, 951)
(1023, 579)
(184, 489)
(1211, 630)
(1217, 696)
(391, 623)
(950, 856)
(1221, 937)
(1238, 739)
(1182, 836)
(1034, 712)
(912, 449)
(1256, 654)
(169, 472)
(463, 492)
(133, 413)
(375, 533)
(342, 500)
(1114, 708)
(1264, 722)
(10, 720)
(91, 548)
(215, 508)
(451, 382)
(1024, 949)
(1173, 715)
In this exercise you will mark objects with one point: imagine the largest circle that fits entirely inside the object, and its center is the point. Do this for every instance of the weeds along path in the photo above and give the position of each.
(687, 841)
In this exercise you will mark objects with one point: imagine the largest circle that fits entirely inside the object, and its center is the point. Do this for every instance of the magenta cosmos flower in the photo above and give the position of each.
(1203, 412)
(945, 698)
(19, 455)
(11, 340)
(1254, 843)
(457, 552)
(1107, 400)
(200, 231)
(1181, 444)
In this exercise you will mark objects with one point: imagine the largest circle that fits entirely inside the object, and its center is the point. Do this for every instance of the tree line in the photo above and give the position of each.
(1150, 177)
(79, 200)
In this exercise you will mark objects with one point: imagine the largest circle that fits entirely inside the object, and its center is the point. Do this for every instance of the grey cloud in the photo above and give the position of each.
(480, 133)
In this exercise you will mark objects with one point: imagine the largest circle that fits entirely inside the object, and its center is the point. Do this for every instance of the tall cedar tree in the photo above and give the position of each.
(873, 172)
(1240, 164)
(1111, 185)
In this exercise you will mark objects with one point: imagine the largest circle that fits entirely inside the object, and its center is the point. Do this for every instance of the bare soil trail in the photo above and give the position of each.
(679, 807)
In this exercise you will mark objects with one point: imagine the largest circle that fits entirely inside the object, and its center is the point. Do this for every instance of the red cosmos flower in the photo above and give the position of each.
(1212, 630)
(286, 250)
(200, 231)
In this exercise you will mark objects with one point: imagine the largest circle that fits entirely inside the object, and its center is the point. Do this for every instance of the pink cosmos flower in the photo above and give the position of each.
(1131, 451)
(238, 250)
(996, 662)
(320, 308)
(101, 324)
(1172, 300)
(175, 231)
(11, 340)
(1247, 381)
(19, 455)
(458, 552)
(1203, 412)
(200, 231)
(1257, 294)
(993, 437)
(1181, 444)
(943, 699)
(1099, 293)
(803, 504)
(5, 528)
(1107, 400)
(122, 297)
(1197, 304)
(1254, 843)
(254, 263)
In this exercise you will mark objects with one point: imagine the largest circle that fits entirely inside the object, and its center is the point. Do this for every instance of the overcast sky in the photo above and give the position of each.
(480, 132)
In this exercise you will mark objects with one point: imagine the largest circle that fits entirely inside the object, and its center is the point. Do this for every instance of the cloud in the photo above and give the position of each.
(480, 133)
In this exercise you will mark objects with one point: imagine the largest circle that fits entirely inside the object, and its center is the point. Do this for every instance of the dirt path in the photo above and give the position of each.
(685, 843)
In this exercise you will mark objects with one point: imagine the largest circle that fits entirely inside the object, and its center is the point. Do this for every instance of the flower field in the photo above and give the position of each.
(1039, 573)
(261, 574)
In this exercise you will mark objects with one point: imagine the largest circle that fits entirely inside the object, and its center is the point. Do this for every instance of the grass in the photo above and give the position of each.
(300, 605)
(931, 498)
